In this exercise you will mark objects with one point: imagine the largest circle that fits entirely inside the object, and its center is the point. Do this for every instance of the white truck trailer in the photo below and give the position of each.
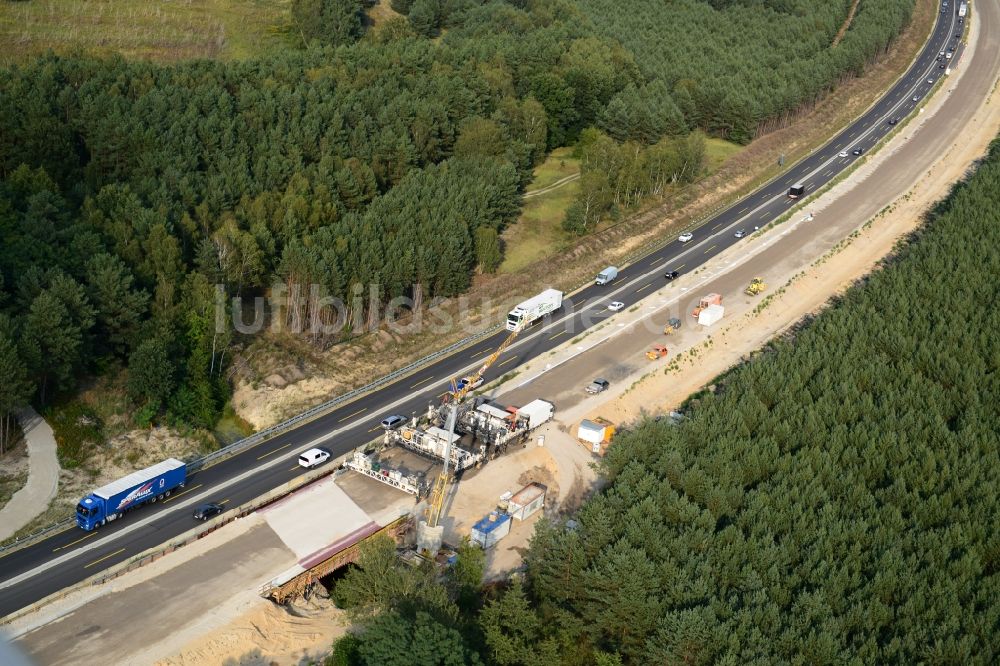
(534, 308)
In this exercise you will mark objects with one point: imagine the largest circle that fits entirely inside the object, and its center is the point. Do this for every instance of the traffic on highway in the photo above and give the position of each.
(35, 571)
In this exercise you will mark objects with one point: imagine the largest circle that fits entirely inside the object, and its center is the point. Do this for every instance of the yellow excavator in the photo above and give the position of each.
(757, 285)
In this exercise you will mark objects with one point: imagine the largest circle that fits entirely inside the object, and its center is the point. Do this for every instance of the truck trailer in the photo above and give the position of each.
(112, 501)
(534, 308)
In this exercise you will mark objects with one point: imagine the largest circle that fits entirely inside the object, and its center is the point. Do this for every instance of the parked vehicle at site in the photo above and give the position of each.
(115, 499)
(710, 299)
(597, 386)
(655, 352)
(607, 276)
(533, 309)
(672, 325)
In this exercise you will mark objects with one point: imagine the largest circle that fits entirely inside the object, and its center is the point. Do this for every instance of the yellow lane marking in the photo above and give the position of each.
(710, 249)
(512, 358)
(562, 332)
(374, 429)
(104, 558)
(73, 543)
(351, 416)
(422, 381)
(642, 287)
(680, 267)
(480, 353)
(271, 453)
(183, 492)
(657, 261)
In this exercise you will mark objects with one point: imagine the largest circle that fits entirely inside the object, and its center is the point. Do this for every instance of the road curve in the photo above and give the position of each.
(63, 559)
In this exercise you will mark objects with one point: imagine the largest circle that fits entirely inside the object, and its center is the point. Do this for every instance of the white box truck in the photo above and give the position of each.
(534, 308)
(711, 315)
(607, 276)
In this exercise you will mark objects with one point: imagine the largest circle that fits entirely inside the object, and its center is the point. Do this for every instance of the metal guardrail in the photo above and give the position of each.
(319, 410)
(284, 426)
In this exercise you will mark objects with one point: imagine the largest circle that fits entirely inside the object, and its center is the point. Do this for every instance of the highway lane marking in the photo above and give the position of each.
(122, 550)
(745, 209)
(377, 427)
(350, 416)
(480, 353)
(562, 332)
(141, 523)
(717, 226)
(73, 543)
(710, 249)
(512, 358)
(271, 453)
(642, 287)
(765, 214)
(851, 136)
(828, 173)
(183, 492)
(657, 261)
(224, 501)
(422, 381)
(680, 267)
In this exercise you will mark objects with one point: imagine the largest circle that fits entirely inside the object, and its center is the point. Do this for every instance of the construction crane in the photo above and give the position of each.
(436, 499)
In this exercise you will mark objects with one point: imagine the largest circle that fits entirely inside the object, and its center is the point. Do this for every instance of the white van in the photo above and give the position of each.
(313, 457)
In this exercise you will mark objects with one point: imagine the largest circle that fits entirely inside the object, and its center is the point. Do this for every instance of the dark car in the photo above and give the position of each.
(740, 233)
(858, 151)
(206, 511)
(941, 66)
(893, 121)
(671, 275)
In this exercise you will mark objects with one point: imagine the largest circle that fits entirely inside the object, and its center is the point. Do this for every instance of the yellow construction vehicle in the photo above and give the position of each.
(756, 286)
(672, 326)
(657, 351)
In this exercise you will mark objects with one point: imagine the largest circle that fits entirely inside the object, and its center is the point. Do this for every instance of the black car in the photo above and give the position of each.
(671, 275)
(740, 233)
(858, 151)
(206, 511)
(893, 121)
(941, 66)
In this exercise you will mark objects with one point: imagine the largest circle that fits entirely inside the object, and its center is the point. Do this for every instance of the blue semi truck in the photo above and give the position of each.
(118, 497)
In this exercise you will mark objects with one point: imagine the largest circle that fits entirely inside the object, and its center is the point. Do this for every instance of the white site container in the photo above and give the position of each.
(526, 502)
(493, 411)
(591, 432)
(490, 529)
(538, 412)
(711, 315)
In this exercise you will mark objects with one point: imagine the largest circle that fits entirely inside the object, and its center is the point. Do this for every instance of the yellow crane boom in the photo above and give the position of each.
(439, 491)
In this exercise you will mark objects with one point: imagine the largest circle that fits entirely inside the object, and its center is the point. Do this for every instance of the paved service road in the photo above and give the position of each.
(34, 572)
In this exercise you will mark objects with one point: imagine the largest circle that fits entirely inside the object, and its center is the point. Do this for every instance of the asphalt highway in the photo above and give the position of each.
(36, 571)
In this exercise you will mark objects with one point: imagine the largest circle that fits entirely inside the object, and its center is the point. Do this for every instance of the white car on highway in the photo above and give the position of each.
(685, 237)
(314, 457)
(842, 153)
(615, 306)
